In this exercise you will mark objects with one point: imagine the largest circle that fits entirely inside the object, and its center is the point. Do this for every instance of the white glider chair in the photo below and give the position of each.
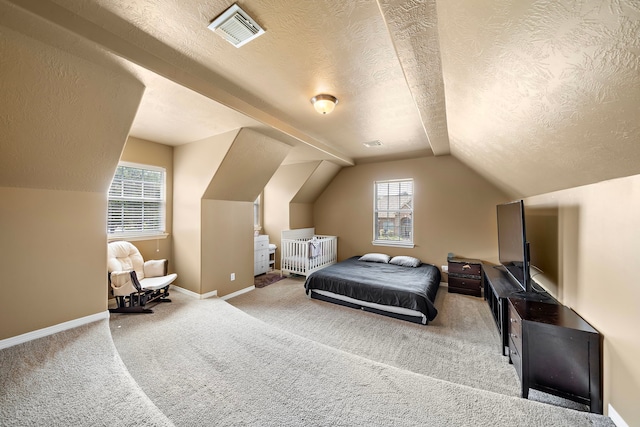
(133, 281)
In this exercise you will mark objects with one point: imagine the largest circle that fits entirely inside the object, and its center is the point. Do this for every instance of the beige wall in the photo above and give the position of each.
(227, 246)
(278, 193)
(300, 215)
(194, 165)
(598, 257)
(216, 182)
(66, 123)
(454, 209)
(53, 261)
(151, 153)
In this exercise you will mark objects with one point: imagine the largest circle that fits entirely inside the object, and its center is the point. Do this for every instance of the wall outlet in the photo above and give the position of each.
(445, 268)
(233, 276)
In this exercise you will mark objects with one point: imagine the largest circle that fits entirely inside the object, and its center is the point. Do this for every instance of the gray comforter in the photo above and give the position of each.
(387, 284)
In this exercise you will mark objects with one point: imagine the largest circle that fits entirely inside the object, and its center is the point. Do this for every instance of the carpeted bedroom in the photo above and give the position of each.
(274, 357)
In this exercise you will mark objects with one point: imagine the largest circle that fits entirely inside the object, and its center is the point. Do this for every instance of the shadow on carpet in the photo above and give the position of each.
(266, 279)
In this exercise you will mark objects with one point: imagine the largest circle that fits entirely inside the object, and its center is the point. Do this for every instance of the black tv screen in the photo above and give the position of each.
(512, 242)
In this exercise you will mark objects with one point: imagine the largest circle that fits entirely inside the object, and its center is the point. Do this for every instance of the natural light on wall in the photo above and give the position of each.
(393, 213)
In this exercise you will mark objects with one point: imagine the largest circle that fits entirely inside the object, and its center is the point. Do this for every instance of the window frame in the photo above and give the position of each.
(141, 235)
(257, 213)
(408, 243)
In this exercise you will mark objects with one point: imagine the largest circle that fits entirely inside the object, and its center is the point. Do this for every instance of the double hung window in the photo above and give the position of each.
(393, 213)
(136, 207)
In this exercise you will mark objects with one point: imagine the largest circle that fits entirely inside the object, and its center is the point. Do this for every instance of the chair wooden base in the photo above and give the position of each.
(136, 303)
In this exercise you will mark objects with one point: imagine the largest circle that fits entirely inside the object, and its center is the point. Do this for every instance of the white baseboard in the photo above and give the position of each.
(193, 294)
(41, 333)
(616, 418)
(240, 292)
(444, 285)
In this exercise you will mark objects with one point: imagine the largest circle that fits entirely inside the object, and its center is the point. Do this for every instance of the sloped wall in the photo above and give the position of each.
(598, 250)
(227, 210)
(216, 182)
(194, 166)
(64, 124)
(542, 95)
(289, 197)
(249, 164)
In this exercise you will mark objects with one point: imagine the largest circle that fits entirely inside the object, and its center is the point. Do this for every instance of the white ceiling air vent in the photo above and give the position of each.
(370, 144)
(236, 26)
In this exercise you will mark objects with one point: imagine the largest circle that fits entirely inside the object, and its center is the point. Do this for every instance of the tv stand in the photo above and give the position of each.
(534, 296)
(551, 347)
(555, 351)
(498, 286)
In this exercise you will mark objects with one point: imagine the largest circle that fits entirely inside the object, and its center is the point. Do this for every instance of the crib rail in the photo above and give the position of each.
(303, 256)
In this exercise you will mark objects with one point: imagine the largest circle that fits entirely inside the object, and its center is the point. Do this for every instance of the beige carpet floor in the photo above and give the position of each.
(460, 345)
(72, 378)
(205, 362)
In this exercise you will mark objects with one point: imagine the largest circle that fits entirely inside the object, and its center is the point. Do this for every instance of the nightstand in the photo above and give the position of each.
(465, 276)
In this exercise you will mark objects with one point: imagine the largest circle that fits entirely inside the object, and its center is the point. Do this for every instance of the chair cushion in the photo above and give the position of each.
(154, 268)
(121, 283)
(123, 256)
(154, 283)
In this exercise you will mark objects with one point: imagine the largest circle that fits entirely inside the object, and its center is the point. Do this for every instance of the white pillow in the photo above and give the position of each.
(154, 268)
(375, 257)
(405, 261)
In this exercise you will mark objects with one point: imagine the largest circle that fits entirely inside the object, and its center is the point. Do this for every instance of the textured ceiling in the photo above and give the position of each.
(535, 95)
(348, 53)
(543, 95)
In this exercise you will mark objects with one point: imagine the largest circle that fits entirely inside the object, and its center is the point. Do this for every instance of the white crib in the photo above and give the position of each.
(303, 252)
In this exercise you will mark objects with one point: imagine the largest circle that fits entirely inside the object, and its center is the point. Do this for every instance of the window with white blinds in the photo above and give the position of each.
(136, 201)
(393, 212)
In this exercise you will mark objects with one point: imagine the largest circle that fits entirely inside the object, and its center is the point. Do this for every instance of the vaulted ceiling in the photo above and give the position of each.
(534, 95)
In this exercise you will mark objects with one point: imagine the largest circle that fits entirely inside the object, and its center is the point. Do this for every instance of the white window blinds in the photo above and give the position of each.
(393, 212)
(136, 201)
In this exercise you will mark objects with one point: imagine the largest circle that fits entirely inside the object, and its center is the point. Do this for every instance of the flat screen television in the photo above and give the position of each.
(513, 248)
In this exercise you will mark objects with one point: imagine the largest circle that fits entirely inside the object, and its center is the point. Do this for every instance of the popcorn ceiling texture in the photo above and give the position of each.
(414, 30)
(311, 47)
(64, 119)
(543, 95)
(534, 95)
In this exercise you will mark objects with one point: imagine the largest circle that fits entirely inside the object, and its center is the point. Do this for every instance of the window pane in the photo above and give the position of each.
(136, 201)
(393, 211)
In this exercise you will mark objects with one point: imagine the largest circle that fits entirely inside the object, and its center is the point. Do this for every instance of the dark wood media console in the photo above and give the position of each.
(497, 288)
(552, 348)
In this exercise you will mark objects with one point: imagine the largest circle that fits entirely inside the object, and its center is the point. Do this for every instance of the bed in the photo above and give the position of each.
(400, 291)
(303, 252)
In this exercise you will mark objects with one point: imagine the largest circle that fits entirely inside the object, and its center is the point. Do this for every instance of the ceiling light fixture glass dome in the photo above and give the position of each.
(324, 104)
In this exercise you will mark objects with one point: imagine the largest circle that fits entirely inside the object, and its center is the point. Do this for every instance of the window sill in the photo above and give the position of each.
(136, 237)
(391, 243)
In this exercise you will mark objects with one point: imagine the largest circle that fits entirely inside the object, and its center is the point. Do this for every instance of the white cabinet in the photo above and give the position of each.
(260, 254)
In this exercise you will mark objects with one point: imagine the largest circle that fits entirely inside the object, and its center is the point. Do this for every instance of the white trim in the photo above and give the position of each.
(393, 243)
(615, 417)
(142, 166)
(41, 333)
(444, 285)
(194, 294)
(211, 294)
(136, 237)
(240, 292)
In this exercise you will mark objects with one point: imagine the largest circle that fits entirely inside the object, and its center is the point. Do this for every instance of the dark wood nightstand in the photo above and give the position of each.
(465, 276)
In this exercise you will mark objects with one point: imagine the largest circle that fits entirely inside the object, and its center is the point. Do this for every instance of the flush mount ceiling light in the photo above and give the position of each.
(324, 104)
(236, 26)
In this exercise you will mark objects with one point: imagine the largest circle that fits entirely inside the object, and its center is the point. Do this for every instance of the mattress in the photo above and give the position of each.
(379, 283)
